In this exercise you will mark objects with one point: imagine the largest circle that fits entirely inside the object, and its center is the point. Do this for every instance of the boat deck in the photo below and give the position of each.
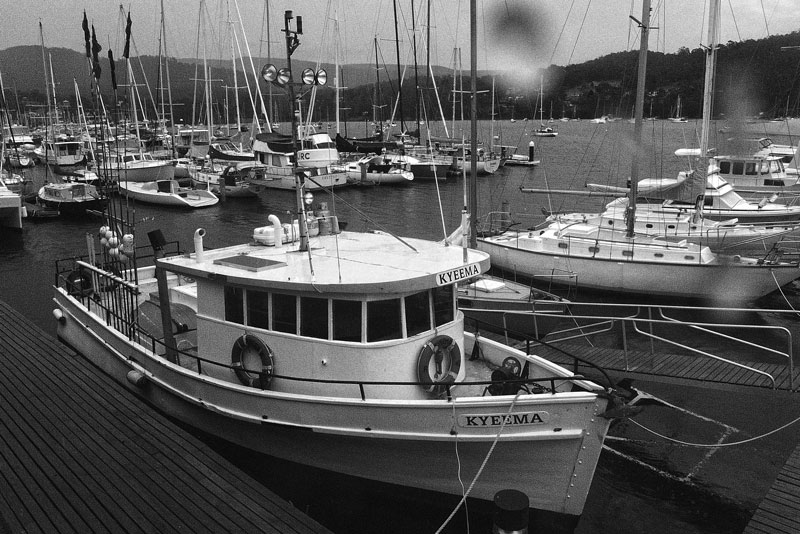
(79, 453)
(779, 512)
(675, 368)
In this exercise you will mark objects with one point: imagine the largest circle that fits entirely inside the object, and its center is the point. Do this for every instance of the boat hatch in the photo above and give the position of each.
(487, 286)
(249, 263)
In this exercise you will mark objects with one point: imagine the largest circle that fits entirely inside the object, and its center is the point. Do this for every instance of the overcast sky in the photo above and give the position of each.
(511, 33)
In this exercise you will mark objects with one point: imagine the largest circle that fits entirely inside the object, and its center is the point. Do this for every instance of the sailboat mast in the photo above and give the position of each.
(473, 71)
(375, 102)
(644, 26)
(708, 88)
(399, 79)
(336, 41)
(44, 70)
(416, 76)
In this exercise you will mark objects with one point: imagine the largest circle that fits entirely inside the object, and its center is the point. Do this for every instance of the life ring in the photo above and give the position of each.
(245, 351)
(79, 283)
(438, 364)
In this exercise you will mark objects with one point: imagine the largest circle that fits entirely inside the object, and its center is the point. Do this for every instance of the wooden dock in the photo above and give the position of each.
(78, 453)
(674, 368)
(779, 512)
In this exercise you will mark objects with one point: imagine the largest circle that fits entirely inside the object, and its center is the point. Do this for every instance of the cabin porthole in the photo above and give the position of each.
(252, 361)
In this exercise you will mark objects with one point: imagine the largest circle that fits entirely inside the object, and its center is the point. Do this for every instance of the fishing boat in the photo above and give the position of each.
(622, 261)
(377, 170)
(757, 174)
(485, 163)
(786, 153)
(167, 193)
(340, 350)
(276, 169)
(232, 179)
(72, 199)
(63, 153)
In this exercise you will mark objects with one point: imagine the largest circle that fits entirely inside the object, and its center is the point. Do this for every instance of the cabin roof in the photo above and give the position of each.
(346, 263)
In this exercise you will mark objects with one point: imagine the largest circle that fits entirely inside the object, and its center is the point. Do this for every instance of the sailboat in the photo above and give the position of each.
(135, 165)
(341, 350)
(623, 261)
(678, 117)
(543, 130)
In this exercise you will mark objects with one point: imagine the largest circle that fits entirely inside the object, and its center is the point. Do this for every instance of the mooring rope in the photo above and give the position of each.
(715, 445)
(483, 464)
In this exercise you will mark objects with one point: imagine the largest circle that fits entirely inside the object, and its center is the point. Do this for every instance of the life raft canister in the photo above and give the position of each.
(246, 354)
(438, 364)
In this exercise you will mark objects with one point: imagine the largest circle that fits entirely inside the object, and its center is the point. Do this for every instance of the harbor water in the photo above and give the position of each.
(642, 484)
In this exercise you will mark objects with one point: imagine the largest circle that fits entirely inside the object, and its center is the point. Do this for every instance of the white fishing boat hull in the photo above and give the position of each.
(391, 438)
(375, 171)
(276, 177)
(487, 166)
(174, 195)
(611, 267)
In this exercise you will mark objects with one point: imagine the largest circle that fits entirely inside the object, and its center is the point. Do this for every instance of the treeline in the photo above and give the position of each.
(754, 78)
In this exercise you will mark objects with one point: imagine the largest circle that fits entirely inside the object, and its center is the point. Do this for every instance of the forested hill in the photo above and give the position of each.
(754, 78)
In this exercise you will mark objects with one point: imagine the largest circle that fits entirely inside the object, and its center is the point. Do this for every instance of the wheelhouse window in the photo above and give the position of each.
(284, 313)
(418, 313)
(258, 309)
(443, 305)
(347, 320)
(383, 320)
(234, 304)
(314, 317)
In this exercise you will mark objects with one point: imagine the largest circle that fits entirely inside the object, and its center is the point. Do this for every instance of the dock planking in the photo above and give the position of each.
(78, 453)
(671, 367)
(779, 511)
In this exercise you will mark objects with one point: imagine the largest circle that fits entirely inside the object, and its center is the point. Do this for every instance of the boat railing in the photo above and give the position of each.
(529, 343)
(656, 330)
(506, 385)
(144, 256)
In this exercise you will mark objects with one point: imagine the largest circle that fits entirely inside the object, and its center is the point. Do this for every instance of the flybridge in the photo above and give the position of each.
(456, 275)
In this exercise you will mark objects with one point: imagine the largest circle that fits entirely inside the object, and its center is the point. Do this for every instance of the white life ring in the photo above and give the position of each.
(79, 283)
(246, 349)
(438, 364)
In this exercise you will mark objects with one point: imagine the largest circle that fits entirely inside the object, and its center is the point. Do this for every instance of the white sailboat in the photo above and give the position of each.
(341, 350)
(627, 262)
(678, 117)
(543, 130)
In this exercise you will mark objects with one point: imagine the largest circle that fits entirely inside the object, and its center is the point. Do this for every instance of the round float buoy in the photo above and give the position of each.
(438, 364)
(252, 361)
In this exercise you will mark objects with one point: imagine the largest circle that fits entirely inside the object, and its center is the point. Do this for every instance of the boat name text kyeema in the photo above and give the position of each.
(454, 275)
(515, 419)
